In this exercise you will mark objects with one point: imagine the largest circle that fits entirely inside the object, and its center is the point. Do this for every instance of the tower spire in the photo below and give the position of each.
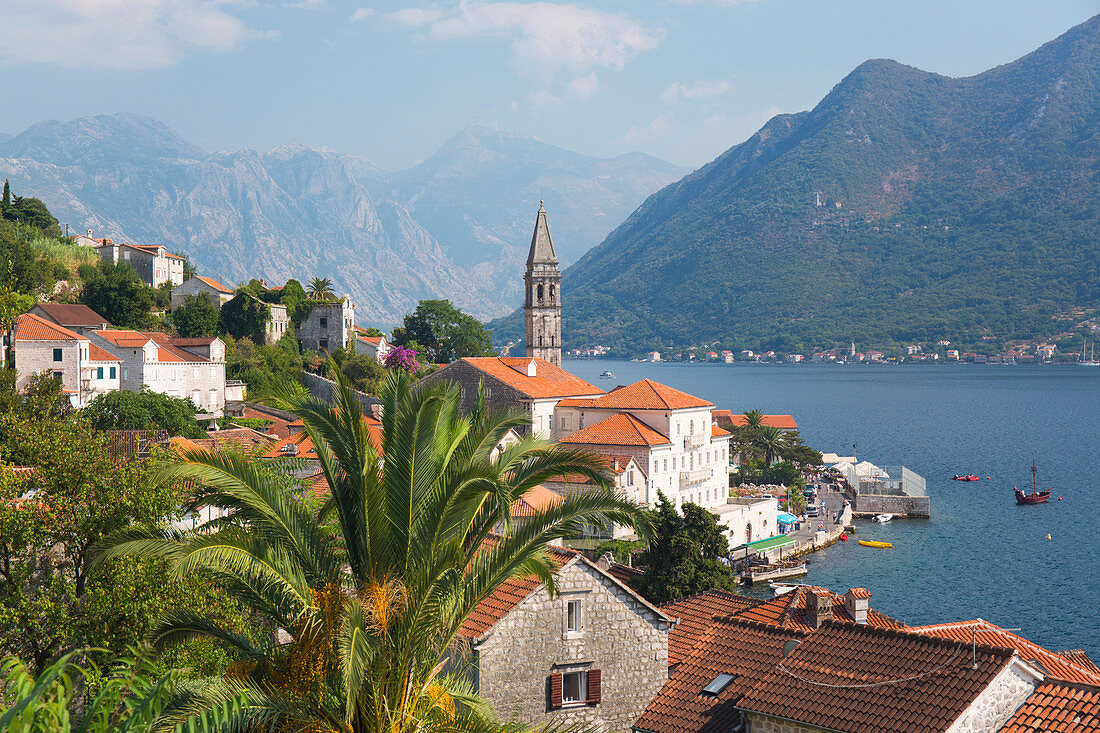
(542, 298)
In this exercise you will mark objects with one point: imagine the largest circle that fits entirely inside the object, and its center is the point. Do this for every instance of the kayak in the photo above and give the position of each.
(875, 543)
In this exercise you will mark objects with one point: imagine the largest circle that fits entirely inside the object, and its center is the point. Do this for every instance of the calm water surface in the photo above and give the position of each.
(980, 555)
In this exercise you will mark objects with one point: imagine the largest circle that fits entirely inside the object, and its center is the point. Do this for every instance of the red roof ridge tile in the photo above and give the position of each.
(29, 327)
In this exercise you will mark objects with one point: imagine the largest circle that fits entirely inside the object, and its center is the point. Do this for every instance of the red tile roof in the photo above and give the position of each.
(536, 500)
(35, 328)
(849, 677)
(214, 284)
(697, 614)
(747, 651)
(124, 338)
(1078, 656)
(71, 314)
(789, 611)
(549, 381)
(95, 353)
(620, 429)
(984, 632)
(507, 596)
(717, 432)
(616, 463)
(783, 422)
(1058, 706)
(304, 444)
(643, 395)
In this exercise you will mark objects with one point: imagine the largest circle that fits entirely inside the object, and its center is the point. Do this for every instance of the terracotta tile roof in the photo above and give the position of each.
(549, 380)
(617, 463)
(860, 593)
(185, 444)
(984, 632)
(71, 314)
(169, 351)
(620, 429)
(29, 327)
(242, 437)
(783, 422)
(127, 444)
(536, 500)
(624, 573)
(203, 341)
(1058, 706)
(279, 427)
(849, 677)
(1078, 656)
(214, 284)
(643, 395)
(124, 338)
(374, 340)
(95, 353)
(318, 484)
(717, 432)
(747, 651)
(789, 611)
(304, 444)
(697, 614)
(507, 596)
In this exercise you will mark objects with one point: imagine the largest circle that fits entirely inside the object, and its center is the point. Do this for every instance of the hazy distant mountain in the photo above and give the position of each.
(299, 212)
(905, 205)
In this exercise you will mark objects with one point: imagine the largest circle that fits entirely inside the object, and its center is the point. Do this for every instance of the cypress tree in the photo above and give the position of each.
(5, 203)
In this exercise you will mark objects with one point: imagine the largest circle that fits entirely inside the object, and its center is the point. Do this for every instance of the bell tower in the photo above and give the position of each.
(542, 299)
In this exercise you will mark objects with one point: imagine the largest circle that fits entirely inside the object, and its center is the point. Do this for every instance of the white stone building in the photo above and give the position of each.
(376, 347)
(183, 368)
(329, 326)
(154, 264)
(198, 285)
(84, 368)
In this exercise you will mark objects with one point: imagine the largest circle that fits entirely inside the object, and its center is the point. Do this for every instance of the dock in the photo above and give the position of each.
(762, 573)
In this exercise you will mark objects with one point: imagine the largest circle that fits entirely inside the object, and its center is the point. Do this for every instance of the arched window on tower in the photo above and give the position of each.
(551, 292)
(538, 293)
(541, 339)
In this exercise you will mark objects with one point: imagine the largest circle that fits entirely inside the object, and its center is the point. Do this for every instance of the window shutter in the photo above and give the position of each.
(594, 686)
(555, 691)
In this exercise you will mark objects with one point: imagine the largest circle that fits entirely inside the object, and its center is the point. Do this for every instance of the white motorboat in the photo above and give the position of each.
(607, 375)
(780, 589)
(883, 518)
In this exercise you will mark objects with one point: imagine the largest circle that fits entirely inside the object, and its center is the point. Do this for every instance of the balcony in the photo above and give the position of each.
(694, 441)
(698, 476)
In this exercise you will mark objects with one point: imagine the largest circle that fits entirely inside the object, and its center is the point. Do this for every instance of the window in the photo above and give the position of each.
(324, 324)
(573, 616)
(57, 354)
(574, 687)
(323, 344)
(99, 372)
(58, 375)
(113, 372)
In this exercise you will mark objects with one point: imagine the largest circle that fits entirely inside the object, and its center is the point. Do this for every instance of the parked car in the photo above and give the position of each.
(813, 510)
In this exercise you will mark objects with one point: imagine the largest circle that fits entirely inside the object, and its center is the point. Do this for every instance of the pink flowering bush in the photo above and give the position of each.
(402, 358)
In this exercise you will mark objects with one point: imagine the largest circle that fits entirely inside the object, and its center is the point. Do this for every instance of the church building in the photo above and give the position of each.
(542, 300)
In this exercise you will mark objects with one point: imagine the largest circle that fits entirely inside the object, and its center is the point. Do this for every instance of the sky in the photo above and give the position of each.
(391, 80)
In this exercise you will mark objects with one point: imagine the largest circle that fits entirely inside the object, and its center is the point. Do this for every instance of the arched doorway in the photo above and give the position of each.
(748, 532)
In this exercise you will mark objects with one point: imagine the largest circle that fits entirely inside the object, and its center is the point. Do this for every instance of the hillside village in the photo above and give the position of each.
(590, 648)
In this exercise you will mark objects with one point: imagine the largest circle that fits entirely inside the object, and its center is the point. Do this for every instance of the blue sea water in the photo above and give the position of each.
(980, 555)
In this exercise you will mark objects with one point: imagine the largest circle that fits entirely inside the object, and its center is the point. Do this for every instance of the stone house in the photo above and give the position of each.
(84, 368)
(629, 482)
(183, 368)
(198, 285)
(376, 347)
(75, 317)
(329, 326)
(594, 654)
(529, 383)
(153, 263)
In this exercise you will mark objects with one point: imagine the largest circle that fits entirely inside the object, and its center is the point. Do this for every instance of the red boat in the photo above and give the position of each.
(965, 477)
(1036, 496)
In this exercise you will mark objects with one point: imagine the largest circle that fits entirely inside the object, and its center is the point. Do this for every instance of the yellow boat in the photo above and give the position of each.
(875, 543)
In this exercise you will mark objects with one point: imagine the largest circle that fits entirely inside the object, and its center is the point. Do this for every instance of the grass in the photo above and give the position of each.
(67, 254)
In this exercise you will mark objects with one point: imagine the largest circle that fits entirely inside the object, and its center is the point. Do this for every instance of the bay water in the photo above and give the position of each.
(980, 555)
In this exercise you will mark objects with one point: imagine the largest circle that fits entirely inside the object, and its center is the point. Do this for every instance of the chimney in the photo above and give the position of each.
(856, 602)
(605, 561)
(819, 606)
(532, 368)
(376, 411)
(89, 234)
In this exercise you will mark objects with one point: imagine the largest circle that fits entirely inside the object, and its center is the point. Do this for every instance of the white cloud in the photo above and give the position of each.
(116, 34)
(546, 37)
(699, 90)
(308, 4)
(720, 3)
(585, 86)
(657, 127)
(363, 14)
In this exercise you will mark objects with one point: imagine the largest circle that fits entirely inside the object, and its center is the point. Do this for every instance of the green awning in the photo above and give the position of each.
(768, 544)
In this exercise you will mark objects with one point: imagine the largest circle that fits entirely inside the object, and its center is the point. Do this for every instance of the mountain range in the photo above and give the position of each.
(906, 205)
(457, 225)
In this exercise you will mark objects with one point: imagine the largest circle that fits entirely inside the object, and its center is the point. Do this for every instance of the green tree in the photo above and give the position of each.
(116, 292)
(320, 288)
(685, 554)
(261, 367)
(363, 372)
(245, 316)
(443, 333)
(196, 318)
(145, 410)
(372, 610)
(293, 296)
(770, 441)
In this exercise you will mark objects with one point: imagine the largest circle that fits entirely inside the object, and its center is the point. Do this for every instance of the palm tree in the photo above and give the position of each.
(369, 611)
(771, 442)
(754, 419)
(320, 288)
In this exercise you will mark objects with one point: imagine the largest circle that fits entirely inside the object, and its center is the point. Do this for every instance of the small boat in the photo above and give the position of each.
(843, 536)
(883, 518)
(1036, 496)
(965, 477)
(607, 374)
(780, 589)
(876, 543)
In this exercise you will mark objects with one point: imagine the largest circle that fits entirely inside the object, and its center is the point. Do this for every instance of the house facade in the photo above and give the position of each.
(592, 655)
(219, 294)
(376, 347)
(154, 264)
(329, 326)
(185, 368)
(75, 317)
(85, 369)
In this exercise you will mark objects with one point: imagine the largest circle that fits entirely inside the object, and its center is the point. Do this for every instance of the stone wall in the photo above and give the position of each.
(329, 326)
(912, 506)
(997, 701)
(321, 388)
(766, 724)
(467, 377)
(619, 636)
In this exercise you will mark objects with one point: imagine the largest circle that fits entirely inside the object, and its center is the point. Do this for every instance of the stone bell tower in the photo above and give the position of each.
(542, 301)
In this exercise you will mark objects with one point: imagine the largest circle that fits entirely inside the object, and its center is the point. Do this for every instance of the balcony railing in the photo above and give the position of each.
(698, 476)
(694, 441)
